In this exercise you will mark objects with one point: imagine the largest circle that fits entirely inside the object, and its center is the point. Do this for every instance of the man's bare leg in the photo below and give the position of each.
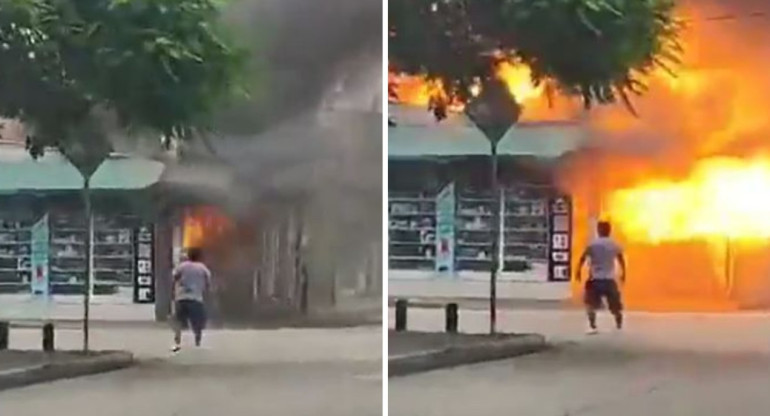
(618, 319)
(177, 328)
(591, 313)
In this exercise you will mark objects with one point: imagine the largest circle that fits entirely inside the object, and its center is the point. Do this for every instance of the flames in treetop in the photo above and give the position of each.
(687, 183)
(418, 91)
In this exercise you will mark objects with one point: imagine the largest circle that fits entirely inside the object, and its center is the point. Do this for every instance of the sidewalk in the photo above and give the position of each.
(236, 347)
(70, 308)
(474, 294)
(110, 311)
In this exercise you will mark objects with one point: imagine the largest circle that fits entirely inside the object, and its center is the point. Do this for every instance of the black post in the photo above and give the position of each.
(495, 242)
(451, 318)
(5, 328)
(401, 307)
(48, 337)
(305, 294)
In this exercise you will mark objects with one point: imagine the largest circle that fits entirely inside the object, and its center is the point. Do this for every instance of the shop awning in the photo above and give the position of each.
(52, 172)
(417, 138)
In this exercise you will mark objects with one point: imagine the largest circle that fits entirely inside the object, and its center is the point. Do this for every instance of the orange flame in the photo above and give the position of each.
(202, 226)
(687, 184)
(418, 91)
(722, 198)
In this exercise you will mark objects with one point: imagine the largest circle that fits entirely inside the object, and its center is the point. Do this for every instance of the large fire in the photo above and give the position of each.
(687, 184)
(723, 198)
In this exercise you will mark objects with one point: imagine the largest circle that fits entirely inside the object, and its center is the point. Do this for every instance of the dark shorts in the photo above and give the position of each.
(597, 290)
(191, 313)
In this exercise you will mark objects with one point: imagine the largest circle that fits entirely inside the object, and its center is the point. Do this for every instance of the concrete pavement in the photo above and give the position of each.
(662, 364)
(276, 372)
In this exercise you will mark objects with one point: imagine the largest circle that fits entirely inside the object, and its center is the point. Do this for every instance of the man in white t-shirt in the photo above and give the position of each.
(192, 284)
(601, 284)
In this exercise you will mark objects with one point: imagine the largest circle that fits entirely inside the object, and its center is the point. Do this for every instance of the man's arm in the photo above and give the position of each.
(209, 284)
(622, 262)
(175, 276)
(583, 257)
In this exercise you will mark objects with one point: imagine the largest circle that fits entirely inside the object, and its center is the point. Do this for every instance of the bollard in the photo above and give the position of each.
(5, 328)
(48, 337)
(401, 306)
(451, 318)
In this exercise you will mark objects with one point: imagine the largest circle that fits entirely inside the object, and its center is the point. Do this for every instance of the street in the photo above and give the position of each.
(663, 364)
(275, 372)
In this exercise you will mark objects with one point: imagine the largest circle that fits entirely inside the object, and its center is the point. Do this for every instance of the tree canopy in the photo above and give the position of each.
(158, 65)
(598, 50)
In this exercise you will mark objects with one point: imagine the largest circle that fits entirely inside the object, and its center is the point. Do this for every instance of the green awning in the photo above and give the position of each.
(414, 138)
(545, 141)
(52, 172)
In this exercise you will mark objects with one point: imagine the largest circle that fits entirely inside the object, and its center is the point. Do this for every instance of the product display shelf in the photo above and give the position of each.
(412, 231)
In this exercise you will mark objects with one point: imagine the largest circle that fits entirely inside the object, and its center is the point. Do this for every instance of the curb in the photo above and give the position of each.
(65, 369)
(457, 355)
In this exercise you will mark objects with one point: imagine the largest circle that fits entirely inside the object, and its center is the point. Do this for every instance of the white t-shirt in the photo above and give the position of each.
(192, 278)
(601, 254)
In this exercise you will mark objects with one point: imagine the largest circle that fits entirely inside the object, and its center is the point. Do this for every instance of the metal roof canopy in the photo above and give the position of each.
(415, 137)
(19, 172)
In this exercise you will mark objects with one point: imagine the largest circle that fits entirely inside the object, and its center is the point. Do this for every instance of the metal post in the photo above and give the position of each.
(401, 310)
(451, 318)
(88, 279)
(495, 242)
(5, 328)
(48, 338)
(729, 278)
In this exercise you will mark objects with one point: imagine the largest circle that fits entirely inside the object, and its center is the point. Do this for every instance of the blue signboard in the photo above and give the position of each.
(445, 230)
(40, 284)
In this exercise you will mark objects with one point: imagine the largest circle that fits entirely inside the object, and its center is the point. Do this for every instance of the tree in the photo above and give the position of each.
(69, 66)
(74, 72)
(598, 50)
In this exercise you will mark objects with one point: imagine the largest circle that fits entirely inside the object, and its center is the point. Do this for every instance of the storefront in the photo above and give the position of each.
(43, 230)
(441, 207)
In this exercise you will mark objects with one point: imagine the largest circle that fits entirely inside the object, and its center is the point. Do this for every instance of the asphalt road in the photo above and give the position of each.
(286, 372)
(662, 364)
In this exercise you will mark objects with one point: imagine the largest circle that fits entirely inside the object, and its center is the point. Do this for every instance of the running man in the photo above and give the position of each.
(601, 283)
(192, 285)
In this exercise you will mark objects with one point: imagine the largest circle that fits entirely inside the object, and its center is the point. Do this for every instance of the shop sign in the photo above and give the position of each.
(144, 276)
(560, 239)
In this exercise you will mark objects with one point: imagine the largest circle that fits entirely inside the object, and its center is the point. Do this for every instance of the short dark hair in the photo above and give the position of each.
(194, 254)
(603, 228)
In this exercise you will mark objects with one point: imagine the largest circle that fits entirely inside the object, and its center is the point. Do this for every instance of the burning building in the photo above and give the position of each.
(285, 196)
(684, 183)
